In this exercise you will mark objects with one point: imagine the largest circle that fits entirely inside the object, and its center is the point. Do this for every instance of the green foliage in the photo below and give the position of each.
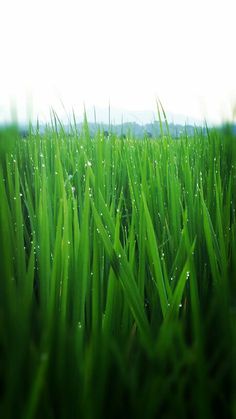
(8, 138)
(117, 274)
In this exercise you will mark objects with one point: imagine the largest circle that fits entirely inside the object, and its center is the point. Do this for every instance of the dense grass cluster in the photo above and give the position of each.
(117, 276)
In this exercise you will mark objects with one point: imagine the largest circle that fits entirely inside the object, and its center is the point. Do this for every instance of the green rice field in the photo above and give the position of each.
(117, 275)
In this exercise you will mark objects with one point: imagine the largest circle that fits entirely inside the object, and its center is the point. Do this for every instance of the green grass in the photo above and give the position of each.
(117, 275)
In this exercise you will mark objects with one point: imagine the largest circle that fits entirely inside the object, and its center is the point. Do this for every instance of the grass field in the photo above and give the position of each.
(117, 275)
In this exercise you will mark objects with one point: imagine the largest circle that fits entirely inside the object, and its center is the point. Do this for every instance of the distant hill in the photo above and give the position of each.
(134, 129)
(137, 130)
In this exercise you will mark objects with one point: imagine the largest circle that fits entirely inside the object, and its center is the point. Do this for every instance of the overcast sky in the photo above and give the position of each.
(126, 52)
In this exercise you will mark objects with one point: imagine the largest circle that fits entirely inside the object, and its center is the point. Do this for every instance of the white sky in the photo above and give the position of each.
(128, 52)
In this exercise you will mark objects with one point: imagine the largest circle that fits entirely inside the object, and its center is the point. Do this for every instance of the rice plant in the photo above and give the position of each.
(117, 275)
